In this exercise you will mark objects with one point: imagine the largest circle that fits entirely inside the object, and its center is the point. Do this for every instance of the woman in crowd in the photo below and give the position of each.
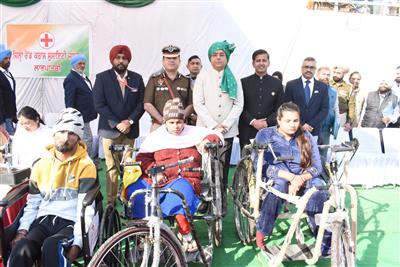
(171, 142)
(295, 176)
(30, 139)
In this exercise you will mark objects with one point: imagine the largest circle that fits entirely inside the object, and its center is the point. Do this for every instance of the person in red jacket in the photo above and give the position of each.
(173, 141)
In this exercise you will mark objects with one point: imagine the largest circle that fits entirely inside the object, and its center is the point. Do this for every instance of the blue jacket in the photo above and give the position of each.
(113, 108)
(78, 95)
(284, 148)
(315, 112)
(332, 121)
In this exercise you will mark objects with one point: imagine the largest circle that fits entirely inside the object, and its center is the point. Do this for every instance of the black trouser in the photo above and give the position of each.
(46, 237)
(225, 158)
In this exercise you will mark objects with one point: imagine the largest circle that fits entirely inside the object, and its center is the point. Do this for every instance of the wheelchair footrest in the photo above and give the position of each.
(196, 258)
(293, 252)
(289, 215)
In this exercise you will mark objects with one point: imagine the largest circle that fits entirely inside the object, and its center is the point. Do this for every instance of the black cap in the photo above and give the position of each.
(171, 51)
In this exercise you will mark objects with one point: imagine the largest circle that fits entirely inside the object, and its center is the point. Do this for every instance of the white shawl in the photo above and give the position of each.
(162, 139)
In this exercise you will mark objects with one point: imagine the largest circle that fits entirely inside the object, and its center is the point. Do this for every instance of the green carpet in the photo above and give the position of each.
(378, 239)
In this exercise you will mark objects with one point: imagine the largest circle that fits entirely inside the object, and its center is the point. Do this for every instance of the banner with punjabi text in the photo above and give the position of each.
(45, 50)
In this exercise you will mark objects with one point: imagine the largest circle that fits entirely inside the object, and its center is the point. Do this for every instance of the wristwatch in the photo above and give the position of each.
(131, 122)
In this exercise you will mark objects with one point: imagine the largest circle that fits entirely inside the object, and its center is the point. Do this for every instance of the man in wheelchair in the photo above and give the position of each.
(58, 184)
(174, 141)
(295, 176)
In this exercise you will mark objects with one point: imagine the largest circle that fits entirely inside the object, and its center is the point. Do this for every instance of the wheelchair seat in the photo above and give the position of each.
(11, 210)
(12, 207)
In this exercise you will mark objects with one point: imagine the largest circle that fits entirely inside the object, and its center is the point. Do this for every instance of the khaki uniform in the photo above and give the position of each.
(356, 103)
(157, 93)
(343, 91)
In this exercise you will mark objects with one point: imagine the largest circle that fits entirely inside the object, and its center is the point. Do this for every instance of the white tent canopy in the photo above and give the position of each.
(286, 29)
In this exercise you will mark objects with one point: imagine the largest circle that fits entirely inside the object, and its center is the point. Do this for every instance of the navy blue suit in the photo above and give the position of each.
(318, 107)
(78, 95)
(8, 109)
(113, 108)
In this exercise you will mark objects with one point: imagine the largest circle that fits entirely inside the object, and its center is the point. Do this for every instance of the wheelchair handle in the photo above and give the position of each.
(284, 158)
(193, 169)
(160, 168)
(344, 146)
(212, 145)
(4, 203)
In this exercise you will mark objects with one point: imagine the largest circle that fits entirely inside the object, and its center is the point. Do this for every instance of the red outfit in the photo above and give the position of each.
(170, 155)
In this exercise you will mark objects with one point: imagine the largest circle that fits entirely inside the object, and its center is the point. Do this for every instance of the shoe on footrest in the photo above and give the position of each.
(188, 243)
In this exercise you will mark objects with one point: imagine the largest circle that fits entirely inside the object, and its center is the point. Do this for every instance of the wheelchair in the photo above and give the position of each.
(11, 210)
(135, 244)
(246, 190)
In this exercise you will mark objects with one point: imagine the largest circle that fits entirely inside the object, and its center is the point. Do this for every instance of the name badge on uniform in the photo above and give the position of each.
(133, 89)
(316, 92)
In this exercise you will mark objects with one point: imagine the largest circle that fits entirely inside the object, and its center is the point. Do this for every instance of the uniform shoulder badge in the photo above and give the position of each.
(157, 73)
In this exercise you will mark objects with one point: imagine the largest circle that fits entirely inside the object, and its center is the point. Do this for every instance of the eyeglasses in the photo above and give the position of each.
(309, 67)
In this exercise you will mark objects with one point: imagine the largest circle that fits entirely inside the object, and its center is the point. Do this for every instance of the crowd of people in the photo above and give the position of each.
(210, 105)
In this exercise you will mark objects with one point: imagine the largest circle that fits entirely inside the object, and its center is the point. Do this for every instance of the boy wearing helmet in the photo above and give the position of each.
(58, 184)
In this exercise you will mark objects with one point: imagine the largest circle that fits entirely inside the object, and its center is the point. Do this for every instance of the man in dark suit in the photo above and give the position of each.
(263, 94)
(78, 95)
(310, 95)
(118, 98)
(8, 107)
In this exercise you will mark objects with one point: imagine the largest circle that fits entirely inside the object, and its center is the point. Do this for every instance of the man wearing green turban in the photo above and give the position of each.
(218, 99)
(228, 83)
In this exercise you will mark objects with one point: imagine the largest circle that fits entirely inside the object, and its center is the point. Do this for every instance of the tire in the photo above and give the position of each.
(110, 223)
(243, 224)
(217, 204)
(342, 251)
(125, 248)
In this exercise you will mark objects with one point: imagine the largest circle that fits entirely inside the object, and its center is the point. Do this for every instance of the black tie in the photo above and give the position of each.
(87, 79)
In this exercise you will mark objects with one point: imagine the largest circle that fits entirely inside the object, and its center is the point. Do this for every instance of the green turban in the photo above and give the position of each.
(228, 83)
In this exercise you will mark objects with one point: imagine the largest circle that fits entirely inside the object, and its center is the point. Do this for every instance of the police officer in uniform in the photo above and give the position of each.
(343, 91)
(165, 85)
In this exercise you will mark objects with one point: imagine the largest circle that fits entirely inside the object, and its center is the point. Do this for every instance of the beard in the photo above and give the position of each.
(66, 147)
(5, 65)
(337, 79)
(120, 68)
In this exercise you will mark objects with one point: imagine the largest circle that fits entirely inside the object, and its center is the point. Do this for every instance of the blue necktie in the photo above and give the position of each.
(307, 92)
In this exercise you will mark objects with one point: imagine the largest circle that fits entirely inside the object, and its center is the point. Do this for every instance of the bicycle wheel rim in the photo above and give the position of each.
(240, 187)
(126, 248)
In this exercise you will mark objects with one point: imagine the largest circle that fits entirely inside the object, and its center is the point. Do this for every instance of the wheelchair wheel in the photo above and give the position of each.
(126, 248)
(342, 251)
(241, 208)
(110, 223)
(218, 197)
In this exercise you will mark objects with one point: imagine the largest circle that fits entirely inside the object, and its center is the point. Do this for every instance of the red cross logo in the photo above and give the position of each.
(46, 40)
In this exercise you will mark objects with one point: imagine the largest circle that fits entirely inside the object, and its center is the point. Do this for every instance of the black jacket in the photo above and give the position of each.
(262, 98)
(8, 107)
(112, 108)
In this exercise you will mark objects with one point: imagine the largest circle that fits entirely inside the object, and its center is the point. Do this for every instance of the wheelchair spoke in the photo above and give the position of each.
(127, 248)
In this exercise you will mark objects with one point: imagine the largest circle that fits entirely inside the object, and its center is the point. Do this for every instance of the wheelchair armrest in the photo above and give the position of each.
(91, 196)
